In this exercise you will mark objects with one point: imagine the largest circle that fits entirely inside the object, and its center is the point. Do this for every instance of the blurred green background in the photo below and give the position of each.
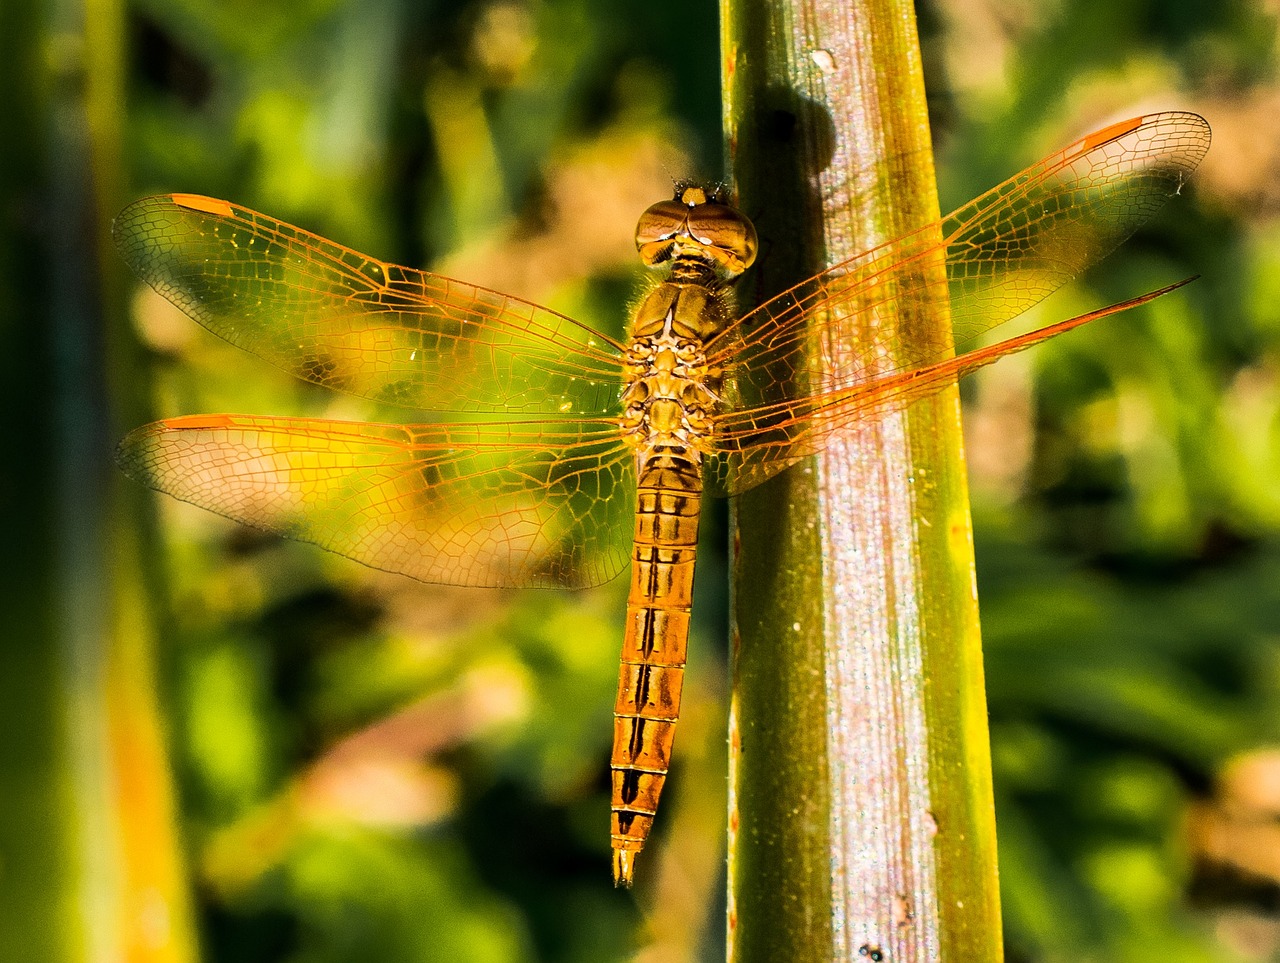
(224, 747)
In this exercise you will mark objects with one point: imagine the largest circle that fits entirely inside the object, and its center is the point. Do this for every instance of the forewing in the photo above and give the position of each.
(1004, 252)
(338, 318)
(524, 504)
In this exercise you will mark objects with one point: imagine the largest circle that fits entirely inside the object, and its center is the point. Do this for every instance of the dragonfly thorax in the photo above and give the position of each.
(670, 395)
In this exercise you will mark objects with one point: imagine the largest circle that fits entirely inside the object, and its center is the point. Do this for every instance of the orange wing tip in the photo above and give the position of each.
(1099, 137)
(623, 867)
(188, 422)
(206, 205)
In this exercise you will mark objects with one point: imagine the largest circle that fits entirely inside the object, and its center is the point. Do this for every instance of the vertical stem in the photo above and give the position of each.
(37, 918)
(153, 921)
(91, 858)
(861, 809)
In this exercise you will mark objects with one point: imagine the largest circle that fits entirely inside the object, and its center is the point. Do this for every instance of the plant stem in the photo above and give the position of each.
(861, 810)
(92, 860)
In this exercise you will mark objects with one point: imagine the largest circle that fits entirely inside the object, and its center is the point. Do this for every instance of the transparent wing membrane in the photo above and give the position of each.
(819, 356)
(338, 318)
(523, 504)
(752, 445)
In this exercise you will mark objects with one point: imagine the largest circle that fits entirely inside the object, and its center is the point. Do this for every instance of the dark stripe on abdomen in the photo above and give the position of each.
(653, 648)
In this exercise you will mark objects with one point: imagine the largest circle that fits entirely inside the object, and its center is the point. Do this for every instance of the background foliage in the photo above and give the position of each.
(368, 768)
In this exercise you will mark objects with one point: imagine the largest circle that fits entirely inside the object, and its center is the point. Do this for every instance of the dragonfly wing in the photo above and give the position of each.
(750, 446)
(338, 318)
(1064, 215)
(522, 504)
(1004, 252)
(826, 353)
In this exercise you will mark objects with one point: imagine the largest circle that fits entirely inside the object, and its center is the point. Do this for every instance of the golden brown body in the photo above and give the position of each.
(653, 649)
(668, 403)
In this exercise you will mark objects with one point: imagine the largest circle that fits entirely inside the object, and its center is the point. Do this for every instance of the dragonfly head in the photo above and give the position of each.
(697, 225)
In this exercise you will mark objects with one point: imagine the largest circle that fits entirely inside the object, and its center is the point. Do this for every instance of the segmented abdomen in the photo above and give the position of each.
(653, 647)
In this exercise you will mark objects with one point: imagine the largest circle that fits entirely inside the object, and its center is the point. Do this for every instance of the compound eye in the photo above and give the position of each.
(727, 232)
(657, 228)
(692, 224)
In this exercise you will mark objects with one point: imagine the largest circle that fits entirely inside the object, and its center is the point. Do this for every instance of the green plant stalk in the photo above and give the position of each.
(90, 846)
(861, 813)
(153, 917)
(37, 914)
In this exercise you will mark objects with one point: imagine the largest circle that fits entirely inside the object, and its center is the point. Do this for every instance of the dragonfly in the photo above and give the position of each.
(562, 435)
